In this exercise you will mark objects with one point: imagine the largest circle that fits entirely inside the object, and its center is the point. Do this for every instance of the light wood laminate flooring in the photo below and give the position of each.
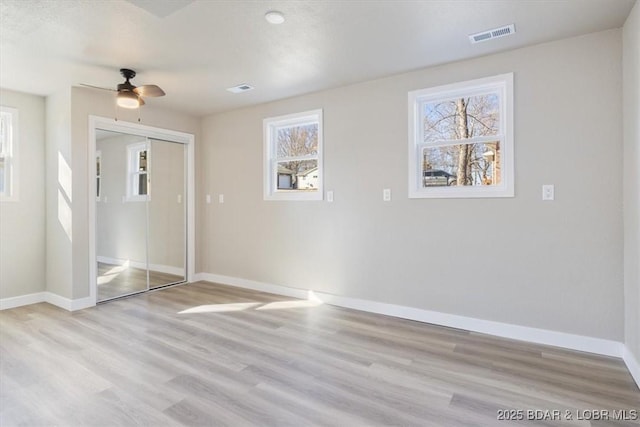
(210, 355)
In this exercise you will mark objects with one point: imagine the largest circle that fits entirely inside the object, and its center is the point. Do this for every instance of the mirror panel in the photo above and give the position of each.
(167, 213)
(121, 215)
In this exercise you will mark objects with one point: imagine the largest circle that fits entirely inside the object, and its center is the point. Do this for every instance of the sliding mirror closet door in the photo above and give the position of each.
(167, 213)
(140, 214)
(122, 168)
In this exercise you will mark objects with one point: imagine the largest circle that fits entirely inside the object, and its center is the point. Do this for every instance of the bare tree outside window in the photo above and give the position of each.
(297, 142)
(472, 164)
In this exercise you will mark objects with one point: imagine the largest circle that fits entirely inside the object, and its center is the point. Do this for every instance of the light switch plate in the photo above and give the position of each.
(386, 194)
(208, 198)
(330, 196)
(221, 198)
(548, 192)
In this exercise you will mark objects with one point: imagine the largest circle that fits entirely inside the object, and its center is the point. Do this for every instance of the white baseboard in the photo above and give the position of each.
(68, 304)
(168, 269)
(49, 297)
(632, 364)
(505, 330)
(19, 301)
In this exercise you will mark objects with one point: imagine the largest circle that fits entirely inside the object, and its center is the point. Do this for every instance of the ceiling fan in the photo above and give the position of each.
(130, 96)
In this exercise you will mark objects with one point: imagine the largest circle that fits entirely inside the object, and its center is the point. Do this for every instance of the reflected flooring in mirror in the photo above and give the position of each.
(119, 280)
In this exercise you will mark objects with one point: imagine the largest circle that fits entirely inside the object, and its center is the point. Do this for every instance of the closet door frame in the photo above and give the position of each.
(109, 124)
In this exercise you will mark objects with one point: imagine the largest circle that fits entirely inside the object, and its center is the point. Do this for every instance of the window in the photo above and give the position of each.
(461, 139)
(293, 157)
(8, 154)
(98, 174)
(137, 173)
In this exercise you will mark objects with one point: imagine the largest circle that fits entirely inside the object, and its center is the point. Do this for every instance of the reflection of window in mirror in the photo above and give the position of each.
(137, 172)
(8, 154)
(98, 173)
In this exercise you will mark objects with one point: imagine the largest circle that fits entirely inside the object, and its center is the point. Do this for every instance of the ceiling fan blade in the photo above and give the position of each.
(149, 90)
(141, 101)
(97, 87)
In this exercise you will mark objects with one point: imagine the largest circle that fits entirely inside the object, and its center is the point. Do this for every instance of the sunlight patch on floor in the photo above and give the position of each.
(112, 273)
(289, 304)
(220, 308)
(240, 306)
(106, 278)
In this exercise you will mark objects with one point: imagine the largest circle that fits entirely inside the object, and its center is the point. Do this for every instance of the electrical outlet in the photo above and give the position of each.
(179, 198)
(386, 194)
(548, 192)
(221, 198)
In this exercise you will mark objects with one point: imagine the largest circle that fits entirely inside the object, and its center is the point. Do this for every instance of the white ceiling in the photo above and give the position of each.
(194, 50)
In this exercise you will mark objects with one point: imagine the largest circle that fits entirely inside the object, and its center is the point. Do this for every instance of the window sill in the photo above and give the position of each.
(461, 193)
(137, 198)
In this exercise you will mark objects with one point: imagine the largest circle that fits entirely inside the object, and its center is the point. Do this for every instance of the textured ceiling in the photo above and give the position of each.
(196, 49)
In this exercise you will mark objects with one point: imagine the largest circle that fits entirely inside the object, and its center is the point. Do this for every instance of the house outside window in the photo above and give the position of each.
(293, 156)
(8, 154)
(137, 172)
(461, 139)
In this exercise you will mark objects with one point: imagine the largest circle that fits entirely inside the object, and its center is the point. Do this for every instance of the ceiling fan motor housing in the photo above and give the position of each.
(127, 73)
(126, 86)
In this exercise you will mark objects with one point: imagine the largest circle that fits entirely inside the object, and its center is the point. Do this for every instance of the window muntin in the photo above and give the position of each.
(138, 172)
(293, 160)
(8, 154)
(461, 139)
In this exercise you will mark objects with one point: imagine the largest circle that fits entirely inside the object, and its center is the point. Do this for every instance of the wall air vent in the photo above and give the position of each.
(240, 88)
(495, 33)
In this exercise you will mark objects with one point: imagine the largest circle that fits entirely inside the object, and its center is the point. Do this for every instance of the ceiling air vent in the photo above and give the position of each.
(240, 88)
(492, 34)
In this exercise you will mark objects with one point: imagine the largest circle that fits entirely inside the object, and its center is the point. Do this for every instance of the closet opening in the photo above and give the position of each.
(142, 216)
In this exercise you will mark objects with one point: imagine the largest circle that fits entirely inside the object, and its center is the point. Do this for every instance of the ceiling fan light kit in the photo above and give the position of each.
(274, 17)
(127, 100)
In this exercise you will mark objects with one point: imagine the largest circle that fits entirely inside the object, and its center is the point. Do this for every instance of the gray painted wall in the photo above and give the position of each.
(22, 222)
(631, 77)
(552, 265)
(59, 208)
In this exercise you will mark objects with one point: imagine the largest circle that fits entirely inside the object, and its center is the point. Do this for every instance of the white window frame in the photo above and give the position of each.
(270, 127)
(10, 155)
(133, 172)
(99, 176)
(502, 85)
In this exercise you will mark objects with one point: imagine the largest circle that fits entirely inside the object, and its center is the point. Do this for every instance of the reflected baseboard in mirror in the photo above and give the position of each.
(118, 280)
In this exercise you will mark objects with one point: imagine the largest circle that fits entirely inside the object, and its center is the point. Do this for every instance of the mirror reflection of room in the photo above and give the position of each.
(140, 215)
